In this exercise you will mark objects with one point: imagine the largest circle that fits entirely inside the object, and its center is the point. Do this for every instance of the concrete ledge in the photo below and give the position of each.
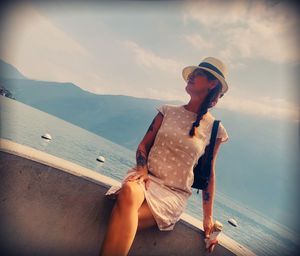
(50, 206)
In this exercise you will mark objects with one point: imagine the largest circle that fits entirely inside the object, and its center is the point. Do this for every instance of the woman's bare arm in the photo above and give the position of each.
(147, 142)
(209, 192)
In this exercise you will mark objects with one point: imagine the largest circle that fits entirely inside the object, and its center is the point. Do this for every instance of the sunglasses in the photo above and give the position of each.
(196, 72)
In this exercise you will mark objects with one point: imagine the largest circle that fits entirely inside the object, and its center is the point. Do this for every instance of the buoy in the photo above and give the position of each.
(47, 136)
(232, 222)
(101, 159)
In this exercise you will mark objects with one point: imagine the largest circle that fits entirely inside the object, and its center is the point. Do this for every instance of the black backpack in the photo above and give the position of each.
(203, 168)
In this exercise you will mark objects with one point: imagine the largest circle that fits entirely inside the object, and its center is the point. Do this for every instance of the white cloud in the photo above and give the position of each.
(149, 59)
(248, 29)
(212, 13)
(198, 41)
(39, 49)
(156, 93)
(43, 51)
(275, 108)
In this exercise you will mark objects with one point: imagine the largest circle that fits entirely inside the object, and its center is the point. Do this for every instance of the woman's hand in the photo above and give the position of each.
(139, 176)
(208, 228)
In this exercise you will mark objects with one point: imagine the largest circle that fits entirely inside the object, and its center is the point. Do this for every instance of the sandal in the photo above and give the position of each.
(212, 243)
(209, 242)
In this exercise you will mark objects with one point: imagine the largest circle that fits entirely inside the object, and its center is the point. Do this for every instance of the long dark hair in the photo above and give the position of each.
(210, 101)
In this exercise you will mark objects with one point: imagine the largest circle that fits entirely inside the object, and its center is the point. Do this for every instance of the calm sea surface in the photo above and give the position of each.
(25, 125)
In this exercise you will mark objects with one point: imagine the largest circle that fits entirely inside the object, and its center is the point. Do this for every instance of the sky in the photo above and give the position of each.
(139, 48)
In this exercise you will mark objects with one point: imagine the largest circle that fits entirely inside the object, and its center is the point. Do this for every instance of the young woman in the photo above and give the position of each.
(156, 190)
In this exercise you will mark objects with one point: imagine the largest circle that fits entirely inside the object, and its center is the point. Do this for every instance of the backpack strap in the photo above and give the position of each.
(213, 138)
(211, 146)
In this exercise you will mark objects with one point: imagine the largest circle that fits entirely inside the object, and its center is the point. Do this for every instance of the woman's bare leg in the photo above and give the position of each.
(123, 221)
(146, 219)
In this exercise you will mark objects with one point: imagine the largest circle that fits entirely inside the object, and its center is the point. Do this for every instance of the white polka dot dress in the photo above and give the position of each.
(171, 160)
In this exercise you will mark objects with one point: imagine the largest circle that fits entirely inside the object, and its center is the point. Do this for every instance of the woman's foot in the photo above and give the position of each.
(210, 244)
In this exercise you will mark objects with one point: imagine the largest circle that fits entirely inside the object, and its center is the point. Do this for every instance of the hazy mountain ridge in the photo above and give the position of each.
(253, 162)
(121, 119)
(9, 71)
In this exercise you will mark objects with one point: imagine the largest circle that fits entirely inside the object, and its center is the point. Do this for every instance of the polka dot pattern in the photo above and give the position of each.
(171, 160)
(173, 148)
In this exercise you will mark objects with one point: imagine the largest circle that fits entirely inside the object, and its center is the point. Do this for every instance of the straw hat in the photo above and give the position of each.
(212, 65)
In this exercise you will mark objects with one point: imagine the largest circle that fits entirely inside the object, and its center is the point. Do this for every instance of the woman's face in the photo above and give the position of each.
(198, 83)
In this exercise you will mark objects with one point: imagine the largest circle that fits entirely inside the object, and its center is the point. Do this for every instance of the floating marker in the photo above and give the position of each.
(47, 136)
(101, 159)
(232, 222)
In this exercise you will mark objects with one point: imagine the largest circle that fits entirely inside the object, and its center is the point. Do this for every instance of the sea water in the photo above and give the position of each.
(25, 125)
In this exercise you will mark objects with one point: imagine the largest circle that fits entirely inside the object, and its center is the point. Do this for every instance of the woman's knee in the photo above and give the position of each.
(130, 194)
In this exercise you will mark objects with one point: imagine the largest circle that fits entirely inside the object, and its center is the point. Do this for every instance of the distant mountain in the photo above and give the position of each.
(121, 119)
(9, 71)
(257, 166)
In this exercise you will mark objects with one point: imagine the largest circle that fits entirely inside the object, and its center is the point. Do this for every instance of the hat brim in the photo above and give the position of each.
(187, 70)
